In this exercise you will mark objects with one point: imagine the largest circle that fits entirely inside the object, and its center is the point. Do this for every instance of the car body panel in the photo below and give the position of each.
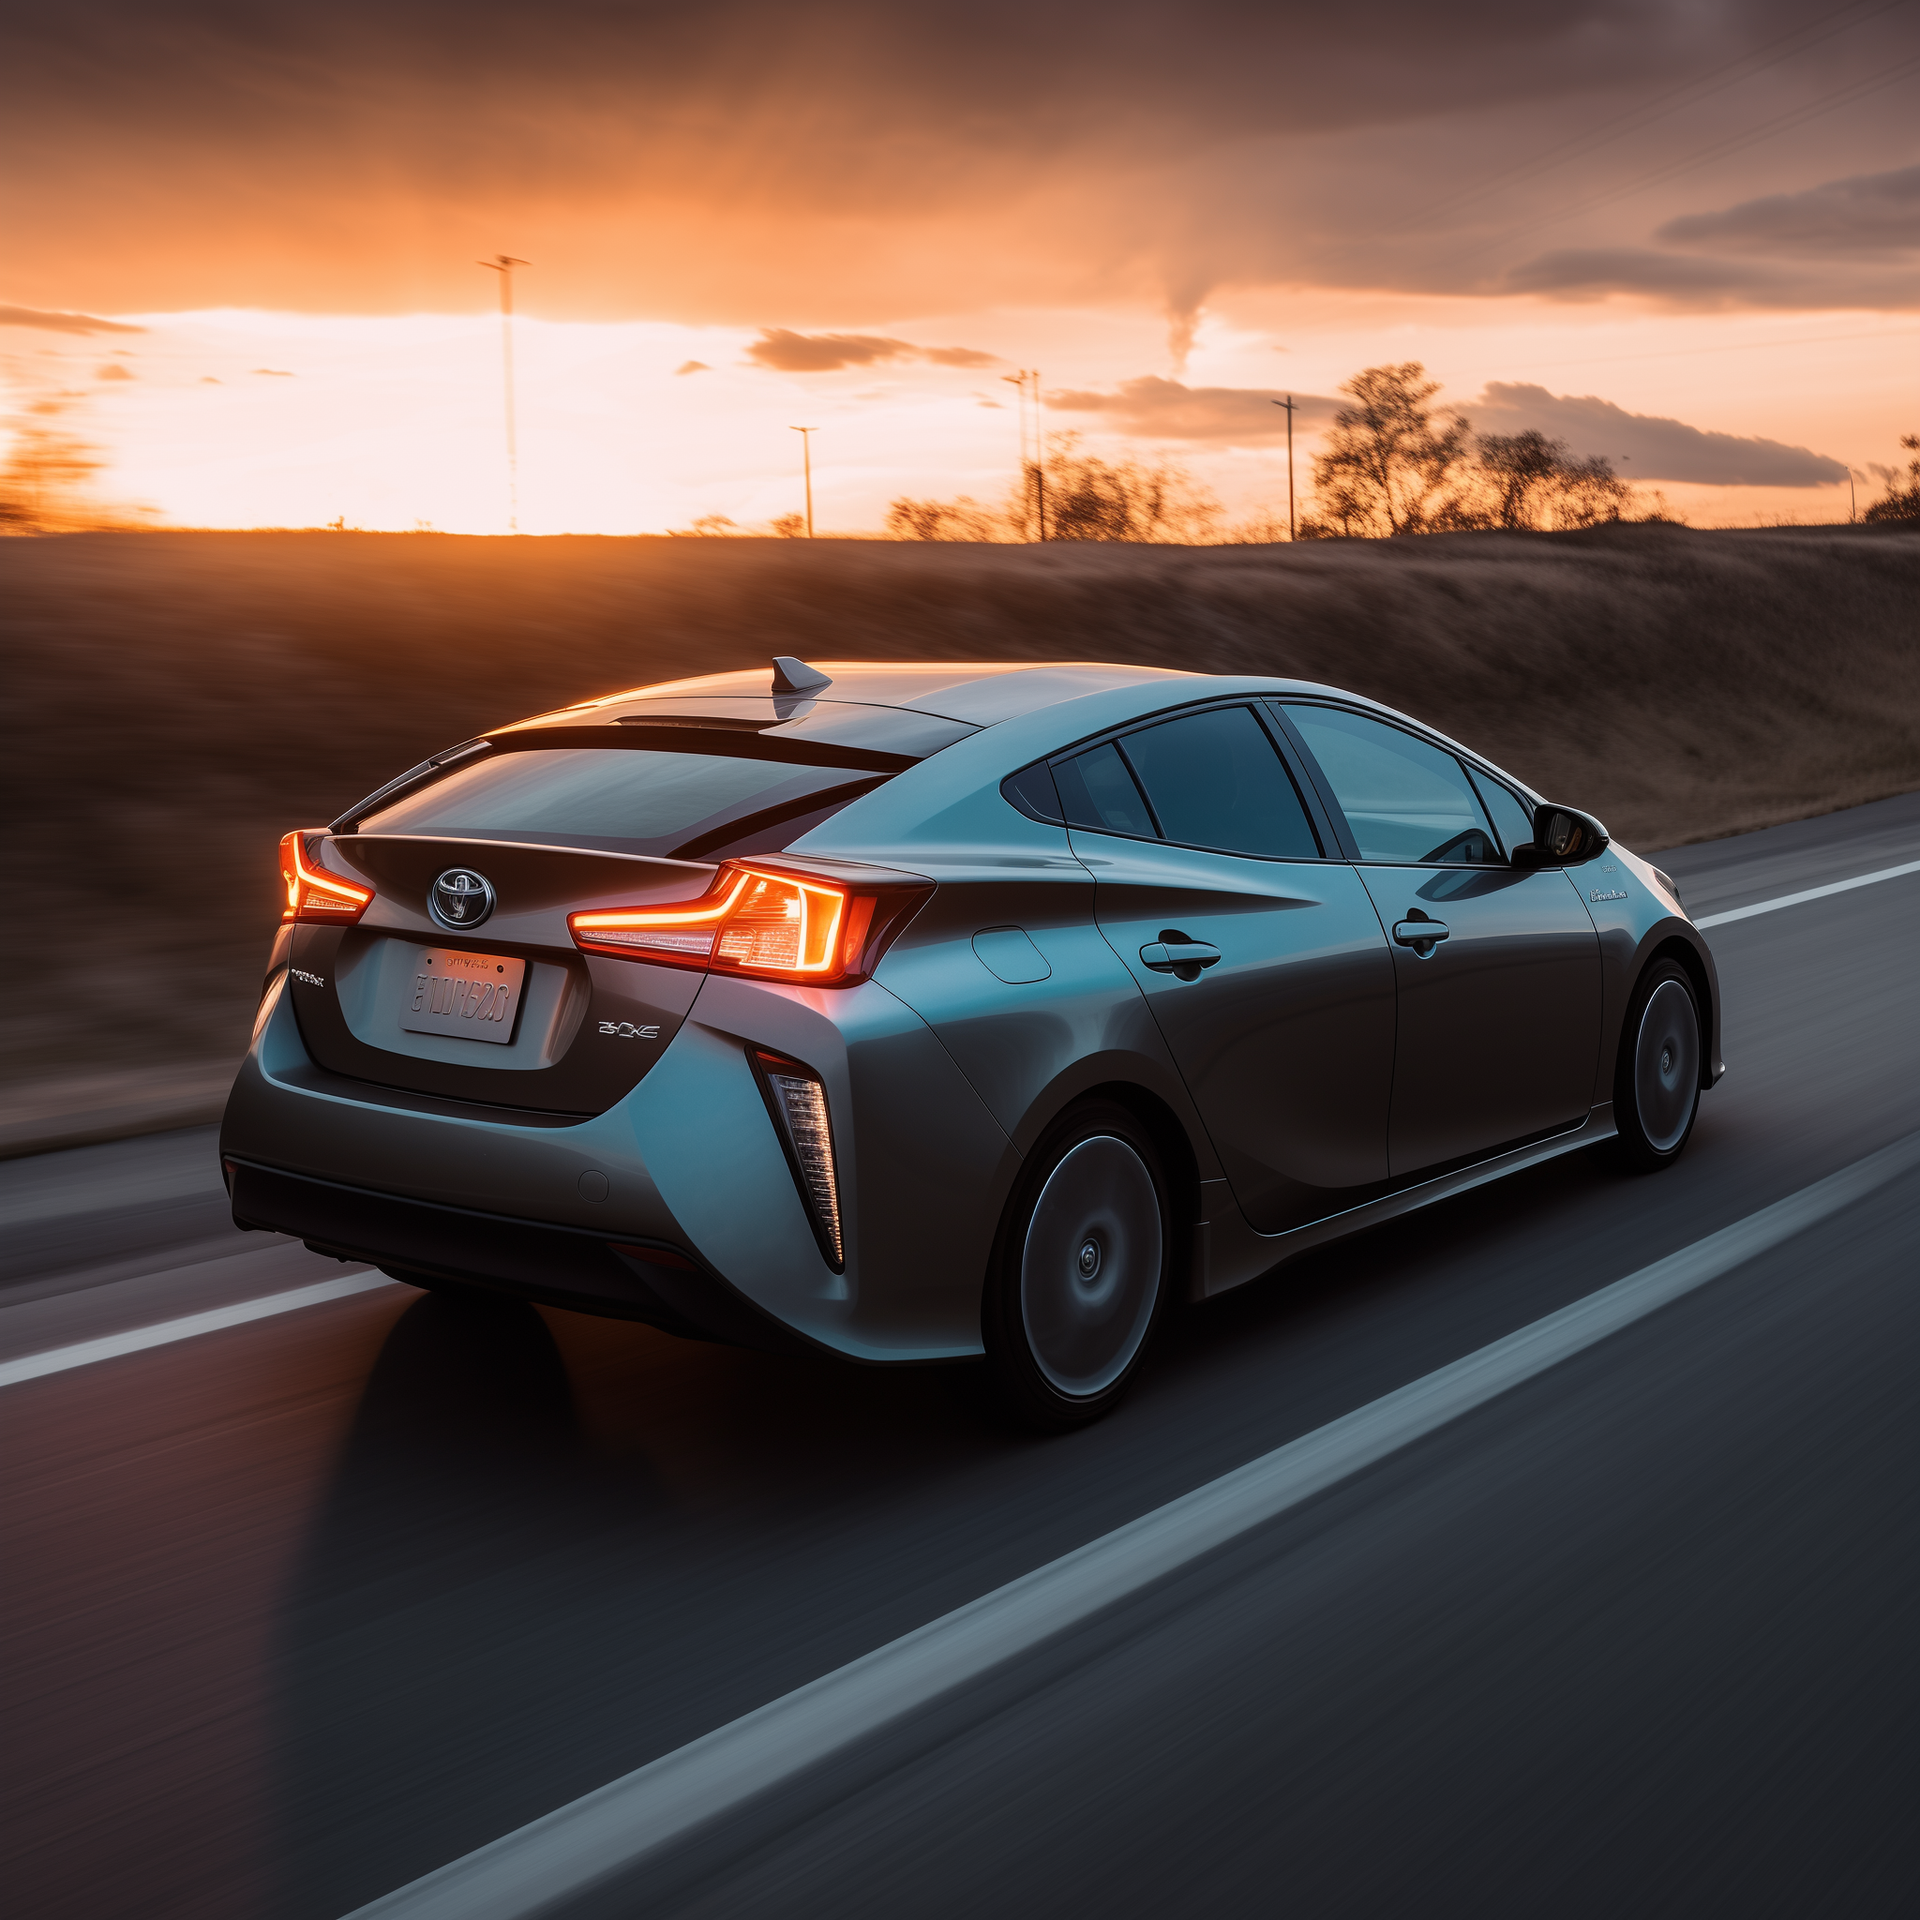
(1286, 1041)
(1499, 1024)
(1016, 987)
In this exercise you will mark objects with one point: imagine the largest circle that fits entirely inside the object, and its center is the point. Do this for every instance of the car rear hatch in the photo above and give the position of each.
(461, 979)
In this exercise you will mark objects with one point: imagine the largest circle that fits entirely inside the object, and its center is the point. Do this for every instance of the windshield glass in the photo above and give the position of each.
(631, 800)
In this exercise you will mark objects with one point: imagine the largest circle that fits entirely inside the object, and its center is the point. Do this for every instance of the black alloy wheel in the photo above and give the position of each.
(1656, 1086)
(1080, 1271)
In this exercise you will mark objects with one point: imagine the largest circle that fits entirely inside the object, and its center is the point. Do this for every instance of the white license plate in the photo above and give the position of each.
(471, 996)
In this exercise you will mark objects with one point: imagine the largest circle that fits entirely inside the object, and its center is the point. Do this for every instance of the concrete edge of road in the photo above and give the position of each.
(615, 1829)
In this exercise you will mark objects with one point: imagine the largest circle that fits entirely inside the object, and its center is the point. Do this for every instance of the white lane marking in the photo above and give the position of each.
(1812, 893)
(112, 1346)
(615, 1828)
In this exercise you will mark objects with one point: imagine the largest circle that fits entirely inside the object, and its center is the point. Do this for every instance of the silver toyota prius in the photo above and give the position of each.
(914, 1013)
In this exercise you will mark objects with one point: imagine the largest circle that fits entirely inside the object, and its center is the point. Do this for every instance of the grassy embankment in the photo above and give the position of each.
(177, 700)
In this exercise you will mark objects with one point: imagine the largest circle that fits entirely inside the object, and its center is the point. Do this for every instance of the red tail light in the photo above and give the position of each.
(312, 893)
(761, 922)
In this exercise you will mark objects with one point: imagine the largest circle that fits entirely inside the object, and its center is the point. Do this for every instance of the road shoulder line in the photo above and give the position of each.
(112, 1346)
(1811, 893)
(614, 1829)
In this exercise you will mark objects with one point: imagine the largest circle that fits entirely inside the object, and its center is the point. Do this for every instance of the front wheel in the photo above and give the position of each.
(1656, 1086)
(1080, 1270)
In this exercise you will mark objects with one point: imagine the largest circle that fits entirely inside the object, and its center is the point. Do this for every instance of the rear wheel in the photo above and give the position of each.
(1656, 1087)
(1080, 1270)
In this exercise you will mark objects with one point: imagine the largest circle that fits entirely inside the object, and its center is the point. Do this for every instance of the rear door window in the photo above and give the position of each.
(1098, 791)
(625, 800)
(1215, 780)
(1407, 802)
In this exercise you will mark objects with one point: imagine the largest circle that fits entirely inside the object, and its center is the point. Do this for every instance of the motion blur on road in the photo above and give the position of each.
(306, 1605)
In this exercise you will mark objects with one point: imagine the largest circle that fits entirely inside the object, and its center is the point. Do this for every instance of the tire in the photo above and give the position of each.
(1080, 1272)
(1656, 1085)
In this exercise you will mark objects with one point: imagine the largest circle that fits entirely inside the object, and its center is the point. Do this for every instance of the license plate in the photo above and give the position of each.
(471, 996)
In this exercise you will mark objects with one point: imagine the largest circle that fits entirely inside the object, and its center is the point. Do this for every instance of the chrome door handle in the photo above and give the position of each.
(1183, 958)
(1421, 935)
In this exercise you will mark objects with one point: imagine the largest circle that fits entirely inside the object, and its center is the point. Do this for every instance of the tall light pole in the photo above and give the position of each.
(806, 456)
(503, 264)
(1033, 468)
(1288, 404)
(1853, 506)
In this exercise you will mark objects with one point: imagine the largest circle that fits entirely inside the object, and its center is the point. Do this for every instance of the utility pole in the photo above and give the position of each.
(503, 264)
(1288, 404)
(1853, 506)
(1033, 467)
(806, 455)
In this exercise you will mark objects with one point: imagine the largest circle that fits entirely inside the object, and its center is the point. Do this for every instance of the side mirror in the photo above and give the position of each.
(1562, 837)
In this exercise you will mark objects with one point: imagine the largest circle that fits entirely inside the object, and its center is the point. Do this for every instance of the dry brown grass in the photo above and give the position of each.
(178, 700)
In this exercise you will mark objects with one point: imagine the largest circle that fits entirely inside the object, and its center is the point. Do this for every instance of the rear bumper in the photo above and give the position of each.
(688, 1163)
(561, 1266)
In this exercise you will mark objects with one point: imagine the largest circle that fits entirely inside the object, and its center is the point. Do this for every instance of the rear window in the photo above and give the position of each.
(627, 800)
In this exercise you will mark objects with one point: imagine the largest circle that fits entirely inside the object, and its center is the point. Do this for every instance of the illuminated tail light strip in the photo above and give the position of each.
(314, 894)
(798, 1102)
(759, 922)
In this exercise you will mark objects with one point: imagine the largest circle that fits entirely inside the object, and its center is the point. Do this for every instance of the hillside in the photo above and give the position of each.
(177, 700)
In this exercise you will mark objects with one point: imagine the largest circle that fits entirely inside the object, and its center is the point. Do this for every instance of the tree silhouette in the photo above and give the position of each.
(1901, 503)
(1390, 464)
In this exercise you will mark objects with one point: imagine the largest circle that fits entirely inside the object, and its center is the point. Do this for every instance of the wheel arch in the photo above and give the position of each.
(1687, 956)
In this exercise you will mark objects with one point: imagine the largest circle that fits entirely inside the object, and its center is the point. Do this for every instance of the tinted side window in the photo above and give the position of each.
(1215, 781)
(1511, 820)
(1097, 791)
(1405, 800)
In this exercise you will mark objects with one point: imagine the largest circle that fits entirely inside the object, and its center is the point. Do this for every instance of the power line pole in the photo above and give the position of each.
(806, 455)
(1033, 465)
(1288, 404)
(503, 264)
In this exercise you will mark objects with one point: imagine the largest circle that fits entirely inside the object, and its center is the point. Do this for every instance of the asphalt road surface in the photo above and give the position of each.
(301, 1609)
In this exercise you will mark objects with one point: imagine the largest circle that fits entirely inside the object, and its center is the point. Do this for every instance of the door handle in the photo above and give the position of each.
(1182, 958)
(1421, 935)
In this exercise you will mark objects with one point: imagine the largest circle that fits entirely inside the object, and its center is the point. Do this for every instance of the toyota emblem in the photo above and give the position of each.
(460, 898)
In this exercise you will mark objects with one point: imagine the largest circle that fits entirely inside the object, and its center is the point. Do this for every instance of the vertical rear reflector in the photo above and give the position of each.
(798, 1103)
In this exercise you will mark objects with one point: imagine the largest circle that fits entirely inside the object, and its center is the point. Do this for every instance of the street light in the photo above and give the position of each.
(503, 264)
(806, 454)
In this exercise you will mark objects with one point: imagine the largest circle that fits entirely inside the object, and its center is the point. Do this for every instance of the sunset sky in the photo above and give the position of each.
(242, 246)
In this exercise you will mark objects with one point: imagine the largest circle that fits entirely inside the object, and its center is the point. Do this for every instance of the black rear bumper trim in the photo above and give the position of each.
(532, 1259)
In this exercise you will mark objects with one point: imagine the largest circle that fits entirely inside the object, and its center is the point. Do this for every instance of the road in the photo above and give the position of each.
(303, 1608)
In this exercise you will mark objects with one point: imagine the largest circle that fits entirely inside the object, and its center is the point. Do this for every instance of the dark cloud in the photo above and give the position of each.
(204, 153)
(1693, 281)
(1870, 215)
(788, 352)
(62, 322)
(112, 371)
(207, 380)
(1159, 409)
(693, 366)
(1648, 447)
(275, 373)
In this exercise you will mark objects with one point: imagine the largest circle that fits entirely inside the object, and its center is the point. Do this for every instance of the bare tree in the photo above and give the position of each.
(1126, 499)
(1901, 503)
(961, 519)
(1390, 464)
(1527, 481)
(43, 472)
